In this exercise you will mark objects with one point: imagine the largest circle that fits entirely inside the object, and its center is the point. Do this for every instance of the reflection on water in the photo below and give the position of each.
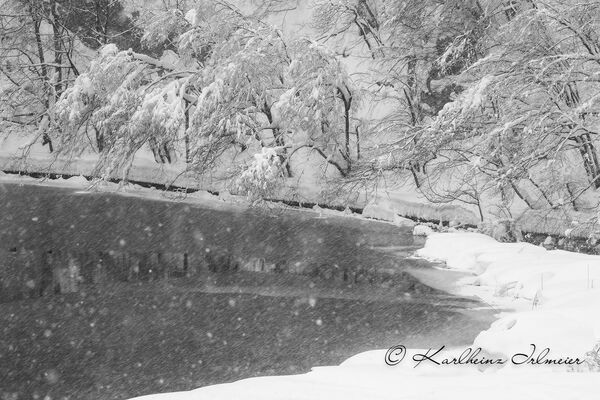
(54, 239)
(158, 296)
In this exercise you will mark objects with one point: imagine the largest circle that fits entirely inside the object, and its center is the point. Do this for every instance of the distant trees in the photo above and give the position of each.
(99, 22)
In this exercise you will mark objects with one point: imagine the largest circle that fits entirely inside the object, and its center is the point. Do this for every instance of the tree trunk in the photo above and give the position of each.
(38, 39)
(347, 132)
(56, 30)
(589, 156)
(99, 140)
(413, 171)
(44, 70)
(347, 100)
(107, 18)
(584, 141)
(279, 140)
(357, 144)
(187, 137)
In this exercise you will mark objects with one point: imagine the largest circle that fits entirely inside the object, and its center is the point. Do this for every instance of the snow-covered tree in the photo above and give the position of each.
(36, 66)
(231, 84)
(44, 46)
(417, 49)
(531, 107)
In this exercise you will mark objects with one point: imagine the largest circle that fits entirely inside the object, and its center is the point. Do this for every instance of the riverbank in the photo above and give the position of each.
(570, 230)
(382, 204)
(385, 203)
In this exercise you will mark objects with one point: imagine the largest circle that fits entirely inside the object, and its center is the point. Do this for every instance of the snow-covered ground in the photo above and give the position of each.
(550, 299)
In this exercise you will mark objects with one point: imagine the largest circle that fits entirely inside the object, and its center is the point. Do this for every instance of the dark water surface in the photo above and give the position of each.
(174, 304)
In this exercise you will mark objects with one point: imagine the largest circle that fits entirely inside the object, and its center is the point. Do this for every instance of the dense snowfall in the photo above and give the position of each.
(479, 115)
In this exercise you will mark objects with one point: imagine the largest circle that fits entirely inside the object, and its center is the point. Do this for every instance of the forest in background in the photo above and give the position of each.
(492, 104)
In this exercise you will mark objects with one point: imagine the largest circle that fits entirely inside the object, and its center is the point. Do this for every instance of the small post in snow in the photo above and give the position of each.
(588, 276)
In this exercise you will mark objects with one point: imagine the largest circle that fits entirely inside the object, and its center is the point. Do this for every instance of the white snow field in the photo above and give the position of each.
(547, 298)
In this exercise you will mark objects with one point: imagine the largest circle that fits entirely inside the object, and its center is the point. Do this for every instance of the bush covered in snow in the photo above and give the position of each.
(263, 176)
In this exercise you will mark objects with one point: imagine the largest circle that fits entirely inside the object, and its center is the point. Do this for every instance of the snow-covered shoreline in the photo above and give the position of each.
(381, 205)
(404, 200)
(373, 212)
(551, 298)
(543, 297)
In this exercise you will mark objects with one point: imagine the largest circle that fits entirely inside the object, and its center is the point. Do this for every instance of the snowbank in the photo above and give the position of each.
(554, 296)
(377, 211)
(546, 297)
(385, 212)
(422, 230)
(360, 383)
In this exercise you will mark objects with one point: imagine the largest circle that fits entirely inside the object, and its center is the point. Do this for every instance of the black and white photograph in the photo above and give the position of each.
(299, 199)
